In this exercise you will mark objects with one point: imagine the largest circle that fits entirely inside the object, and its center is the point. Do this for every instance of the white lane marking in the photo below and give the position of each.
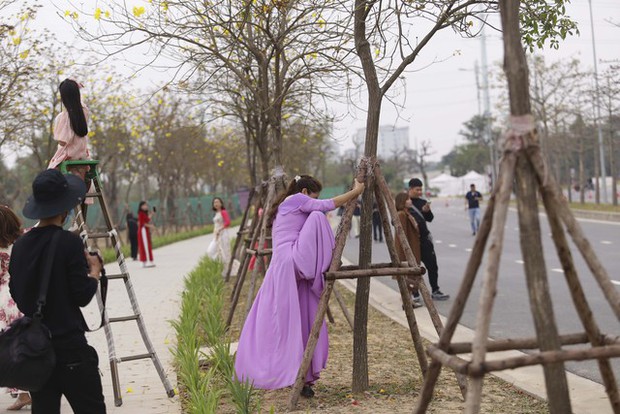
(519, 261)
(452, 245)
(606, 242)
(438, 242)
(557, 270)
(468, 249)
(615, 282)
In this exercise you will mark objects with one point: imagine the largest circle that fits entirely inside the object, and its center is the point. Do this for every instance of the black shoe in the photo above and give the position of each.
(307, 391)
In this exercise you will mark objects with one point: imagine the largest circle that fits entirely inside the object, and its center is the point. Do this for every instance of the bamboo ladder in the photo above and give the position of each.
(370, 172)
(523, 162)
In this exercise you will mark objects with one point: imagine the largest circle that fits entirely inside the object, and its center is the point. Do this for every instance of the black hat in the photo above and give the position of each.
(415, 182)
(53, 194)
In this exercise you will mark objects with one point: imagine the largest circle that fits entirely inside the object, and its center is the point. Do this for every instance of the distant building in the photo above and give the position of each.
(392, 140)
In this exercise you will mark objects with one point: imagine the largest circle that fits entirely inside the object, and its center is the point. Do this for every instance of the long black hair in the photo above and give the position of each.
(311, 184)
(72, 101)
(221, 202)
(140, 206)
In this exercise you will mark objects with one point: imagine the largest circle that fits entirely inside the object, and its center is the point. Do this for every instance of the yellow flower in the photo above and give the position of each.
(24, 54)
(67, 13)
(97, 14)
(377, 52)
(221, 163)
(129, 390)
(164, 5)
(168, 134)
(109, 79)
(107, 14)
(321, 23)
(17, 40)
(138, 11)
(74, 15)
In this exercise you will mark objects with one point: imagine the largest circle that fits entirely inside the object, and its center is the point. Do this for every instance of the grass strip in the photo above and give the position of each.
(201, 323)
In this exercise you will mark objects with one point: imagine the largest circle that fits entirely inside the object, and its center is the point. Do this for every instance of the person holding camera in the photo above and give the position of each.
(73, 283)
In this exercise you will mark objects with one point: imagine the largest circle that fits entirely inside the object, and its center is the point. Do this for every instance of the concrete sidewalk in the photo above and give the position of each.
(158, 291)
(587, 397)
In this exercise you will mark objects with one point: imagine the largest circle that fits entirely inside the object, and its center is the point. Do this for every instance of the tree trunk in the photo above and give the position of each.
(360, 348)
(515, 66)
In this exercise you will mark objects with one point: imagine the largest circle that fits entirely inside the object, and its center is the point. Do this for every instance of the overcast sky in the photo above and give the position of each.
(441, 97)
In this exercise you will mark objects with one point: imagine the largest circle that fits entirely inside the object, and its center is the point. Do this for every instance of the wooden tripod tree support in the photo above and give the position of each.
(522, 162)
(241, 233)
(369, 171)
(252, 247)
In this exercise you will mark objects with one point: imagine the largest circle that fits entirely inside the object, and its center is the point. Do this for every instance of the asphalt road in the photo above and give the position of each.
(511, 314)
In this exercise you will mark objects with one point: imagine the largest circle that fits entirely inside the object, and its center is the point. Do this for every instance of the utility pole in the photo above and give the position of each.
(487, 107)
(477, 73)
(601, 144)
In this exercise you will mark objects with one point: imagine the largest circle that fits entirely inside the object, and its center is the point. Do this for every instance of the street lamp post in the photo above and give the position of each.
(601, 145)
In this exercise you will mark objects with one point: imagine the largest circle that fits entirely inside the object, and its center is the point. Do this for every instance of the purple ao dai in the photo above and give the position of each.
(276, 330)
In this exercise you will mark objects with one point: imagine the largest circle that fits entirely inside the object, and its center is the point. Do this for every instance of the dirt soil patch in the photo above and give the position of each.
(394, 375)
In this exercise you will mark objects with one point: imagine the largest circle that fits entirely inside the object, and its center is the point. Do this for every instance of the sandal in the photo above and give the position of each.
(20, 403)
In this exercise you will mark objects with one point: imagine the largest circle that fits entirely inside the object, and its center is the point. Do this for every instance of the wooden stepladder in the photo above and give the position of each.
(136, 315)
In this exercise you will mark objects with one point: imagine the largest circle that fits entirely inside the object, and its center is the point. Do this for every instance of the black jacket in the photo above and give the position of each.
(69, 289)
(426, 217)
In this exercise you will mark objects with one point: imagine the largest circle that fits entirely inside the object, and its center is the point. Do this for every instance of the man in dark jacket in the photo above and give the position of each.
(73, 283)
(422, 213)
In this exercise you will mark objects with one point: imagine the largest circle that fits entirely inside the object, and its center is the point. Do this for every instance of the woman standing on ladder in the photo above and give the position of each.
(145, 248)
(276, 330)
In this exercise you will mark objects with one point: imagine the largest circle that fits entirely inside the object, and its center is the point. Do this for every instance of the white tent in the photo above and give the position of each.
(472, 177)
(447, 185)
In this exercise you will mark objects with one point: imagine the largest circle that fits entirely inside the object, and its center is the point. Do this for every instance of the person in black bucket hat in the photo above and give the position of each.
(73, 283)
(54, 193)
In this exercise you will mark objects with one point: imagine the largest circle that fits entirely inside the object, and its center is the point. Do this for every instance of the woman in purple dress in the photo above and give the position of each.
(276, 330)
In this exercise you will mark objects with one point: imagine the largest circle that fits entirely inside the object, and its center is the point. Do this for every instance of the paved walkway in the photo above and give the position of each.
(158, 291)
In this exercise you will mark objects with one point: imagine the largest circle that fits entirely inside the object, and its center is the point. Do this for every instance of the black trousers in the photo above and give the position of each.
(430, 262)
(133, 241)
(77, 377)
(377, 228)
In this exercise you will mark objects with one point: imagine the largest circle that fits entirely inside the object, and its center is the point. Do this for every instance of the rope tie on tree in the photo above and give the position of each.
(519, 126)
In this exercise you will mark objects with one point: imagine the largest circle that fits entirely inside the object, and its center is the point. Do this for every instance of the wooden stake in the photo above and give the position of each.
(240, 234)
(489, 284)
(402, 284)
(471, 270)
(430, 306)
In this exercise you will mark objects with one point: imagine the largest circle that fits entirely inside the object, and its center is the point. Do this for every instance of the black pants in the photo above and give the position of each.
(77, 377)
(377, 228)
(430, 262)
(133, 241)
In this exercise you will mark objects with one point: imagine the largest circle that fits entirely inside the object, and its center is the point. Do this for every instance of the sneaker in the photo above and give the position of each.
(439, 295)
(417, 301)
